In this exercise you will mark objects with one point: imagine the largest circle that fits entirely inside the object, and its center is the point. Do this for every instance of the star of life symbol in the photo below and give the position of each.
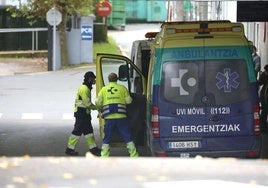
(227, 80)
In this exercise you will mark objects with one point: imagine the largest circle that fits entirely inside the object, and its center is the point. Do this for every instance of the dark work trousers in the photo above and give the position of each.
(82, 126)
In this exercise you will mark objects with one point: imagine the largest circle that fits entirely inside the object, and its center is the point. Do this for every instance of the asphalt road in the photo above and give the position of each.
(36, 113)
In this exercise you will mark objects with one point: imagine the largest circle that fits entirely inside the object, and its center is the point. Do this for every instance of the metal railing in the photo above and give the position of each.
(34, 34)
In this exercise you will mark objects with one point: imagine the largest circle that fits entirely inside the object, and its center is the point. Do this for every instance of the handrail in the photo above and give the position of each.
(33, 30)
(15, 30)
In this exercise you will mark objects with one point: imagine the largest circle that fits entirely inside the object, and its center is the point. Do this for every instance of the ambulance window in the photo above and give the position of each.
(128, 76)
(227, 80)
(145, 59)
(180, 81)
(109, 65)
(135, 81)
(221, 82)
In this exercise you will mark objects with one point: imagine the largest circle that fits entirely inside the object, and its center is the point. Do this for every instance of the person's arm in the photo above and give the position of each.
(257, 63)
(128, 98)
(262, 78)
(99, 100)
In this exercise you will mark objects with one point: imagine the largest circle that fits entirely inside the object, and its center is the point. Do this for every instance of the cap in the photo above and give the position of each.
(89, 74)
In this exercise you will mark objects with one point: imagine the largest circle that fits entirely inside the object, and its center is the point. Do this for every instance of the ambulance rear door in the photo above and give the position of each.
(207, 98)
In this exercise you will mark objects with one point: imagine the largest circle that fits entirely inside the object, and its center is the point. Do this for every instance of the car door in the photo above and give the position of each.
(131, 77)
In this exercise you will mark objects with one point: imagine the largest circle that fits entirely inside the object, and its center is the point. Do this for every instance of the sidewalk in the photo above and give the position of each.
(12, 66)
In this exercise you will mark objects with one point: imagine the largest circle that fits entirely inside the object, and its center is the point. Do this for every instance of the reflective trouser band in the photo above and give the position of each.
(90, 140)
(113, 108)
(73, 140)
(105, 150)
(81, 106)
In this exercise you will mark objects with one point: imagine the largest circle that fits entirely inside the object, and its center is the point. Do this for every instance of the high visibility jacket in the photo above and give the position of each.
(112, 100)
(83, 100)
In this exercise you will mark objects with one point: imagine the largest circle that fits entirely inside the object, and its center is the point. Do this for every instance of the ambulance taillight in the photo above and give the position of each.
(257, 129)
(155, 122)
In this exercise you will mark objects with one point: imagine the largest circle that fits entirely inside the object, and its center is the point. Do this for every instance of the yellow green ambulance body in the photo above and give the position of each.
(199, 94)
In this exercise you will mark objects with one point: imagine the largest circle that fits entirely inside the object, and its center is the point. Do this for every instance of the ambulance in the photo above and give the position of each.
(196, 94)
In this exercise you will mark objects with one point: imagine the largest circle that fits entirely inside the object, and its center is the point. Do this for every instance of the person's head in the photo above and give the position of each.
(112, 77)
(266, 68)
(89, 78)
(254, 49)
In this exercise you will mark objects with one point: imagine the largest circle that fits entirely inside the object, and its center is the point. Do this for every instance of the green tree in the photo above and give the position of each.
(34, 9)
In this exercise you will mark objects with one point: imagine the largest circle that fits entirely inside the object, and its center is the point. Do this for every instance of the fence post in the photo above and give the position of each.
(49, 48)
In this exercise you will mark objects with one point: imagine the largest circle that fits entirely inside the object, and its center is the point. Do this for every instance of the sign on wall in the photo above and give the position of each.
(86, 32)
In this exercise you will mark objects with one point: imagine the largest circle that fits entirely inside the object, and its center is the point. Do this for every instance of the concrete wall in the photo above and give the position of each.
(80, 40)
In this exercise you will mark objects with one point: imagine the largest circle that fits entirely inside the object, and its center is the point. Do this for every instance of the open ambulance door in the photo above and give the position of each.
(131, 77)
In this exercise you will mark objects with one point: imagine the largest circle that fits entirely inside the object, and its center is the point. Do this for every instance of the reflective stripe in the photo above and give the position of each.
(121, 106)
(105, 108)
(122, 111)
(79, 103)
(113, 108)
(90, 140)
(81, 106)
(73, 140)
(105, 112)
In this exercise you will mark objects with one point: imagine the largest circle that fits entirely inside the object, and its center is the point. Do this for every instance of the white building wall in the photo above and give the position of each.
(2, 2)
(257, 33)
(261, 41)
(229, 12)
(12, 2)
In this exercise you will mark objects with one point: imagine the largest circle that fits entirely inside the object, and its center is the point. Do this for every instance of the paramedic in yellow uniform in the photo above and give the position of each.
(112, 100)
(82, 110)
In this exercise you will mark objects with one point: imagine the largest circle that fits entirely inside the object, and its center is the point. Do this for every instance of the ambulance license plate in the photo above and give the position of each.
(182, 145)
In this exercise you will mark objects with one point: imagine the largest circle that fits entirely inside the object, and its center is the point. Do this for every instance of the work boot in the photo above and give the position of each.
(71, 152)
(95, 151)
(105, 150)
(132, 150)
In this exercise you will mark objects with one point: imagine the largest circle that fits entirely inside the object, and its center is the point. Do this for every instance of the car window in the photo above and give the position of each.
(109, 65)
(132, 79)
